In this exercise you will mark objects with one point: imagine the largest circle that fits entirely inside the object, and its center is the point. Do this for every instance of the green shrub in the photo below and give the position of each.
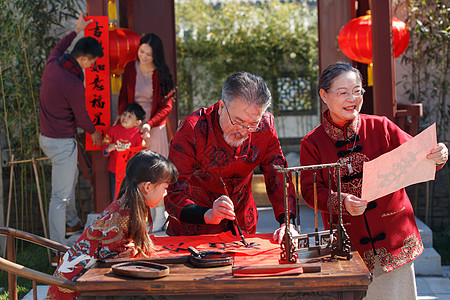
(441, 242)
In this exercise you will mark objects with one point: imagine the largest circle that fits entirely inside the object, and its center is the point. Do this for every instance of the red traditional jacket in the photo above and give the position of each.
(124, 139)
(161, 107)
(202, 157)
(388, 227)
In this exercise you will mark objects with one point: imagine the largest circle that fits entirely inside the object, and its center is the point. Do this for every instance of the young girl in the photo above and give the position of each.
(122, 228)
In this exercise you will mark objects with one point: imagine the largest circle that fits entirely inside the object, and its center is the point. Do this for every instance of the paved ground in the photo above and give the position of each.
(428, 288)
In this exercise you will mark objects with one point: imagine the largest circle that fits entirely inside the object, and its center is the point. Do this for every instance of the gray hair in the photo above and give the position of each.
(247, 87)
(332, 71)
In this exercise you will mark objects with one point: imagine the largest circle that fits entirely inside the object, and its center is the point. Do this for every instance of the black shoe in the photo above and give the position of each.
(74, 229)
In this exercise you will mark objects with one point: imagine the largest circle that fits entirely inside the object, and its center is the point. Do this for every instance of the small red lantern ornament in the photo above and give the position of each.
(355, 39)
(123, 48)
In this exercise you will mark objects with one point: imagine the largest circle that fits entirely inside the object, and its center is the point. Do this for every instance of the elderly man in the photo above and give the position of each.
(226, 142)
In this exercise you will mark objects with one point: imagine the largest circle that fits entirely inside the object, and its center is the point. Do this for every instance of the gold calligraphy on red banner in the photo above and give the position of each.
(97, 83)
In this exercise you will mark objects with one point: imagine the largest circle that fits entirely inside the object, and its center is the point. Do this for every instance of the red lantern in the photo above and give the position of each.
(123, 48)
(355, 38)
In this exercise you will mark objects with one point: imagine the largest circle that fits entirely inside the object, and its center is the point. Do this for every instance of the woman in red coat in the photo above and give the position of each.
(148, 82)
(383, 231)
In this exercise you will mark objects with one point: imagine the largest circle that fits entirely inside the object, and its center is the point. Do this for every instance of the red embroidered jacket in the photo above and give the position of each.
(388, 225)
(202, 157)
(160, 107)
(105, 238)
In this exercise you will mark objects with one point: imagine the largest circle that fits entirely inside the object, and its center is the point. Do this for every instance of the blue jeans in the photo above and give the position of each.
(63, 155)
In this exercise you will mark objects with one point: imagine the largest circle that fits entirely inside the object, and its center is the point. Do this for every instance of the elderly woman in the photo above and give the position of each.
(384, 231)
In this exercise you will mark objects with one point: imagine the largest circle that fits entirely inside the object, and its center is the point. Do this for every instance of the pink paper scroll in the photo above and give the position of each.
(401, 167)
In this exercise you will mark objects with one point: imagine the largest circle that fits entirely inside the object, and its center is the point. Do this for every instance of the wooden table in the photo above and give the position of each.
(338, 279)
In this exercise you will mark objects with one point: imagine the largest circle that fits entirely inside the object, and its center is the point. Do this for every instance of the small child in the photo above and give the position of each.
(121, 137)
(121, 229)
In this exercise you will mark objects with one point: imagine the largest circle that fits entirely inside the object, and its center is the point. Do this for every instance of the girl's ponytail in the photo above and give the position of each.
(139, 213)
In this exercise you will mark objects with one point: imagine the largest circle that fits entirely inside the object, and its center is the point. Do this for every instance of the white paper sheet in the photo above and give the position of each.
(401, 167)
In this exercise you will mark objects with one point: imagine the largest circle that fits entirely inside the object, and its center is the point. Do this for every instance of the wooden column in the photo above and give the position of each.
(383, 59)
(97, 7)
(367, 108)
(332, 16)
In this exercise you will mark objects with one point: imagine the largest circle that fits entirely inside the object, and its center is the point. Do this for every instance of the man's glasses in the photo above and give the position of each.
(344, 95)
(248, 128)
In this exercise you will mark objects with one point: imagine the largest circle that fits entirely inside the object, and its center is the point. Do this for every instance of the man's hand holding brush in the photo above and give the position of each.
(223, 208)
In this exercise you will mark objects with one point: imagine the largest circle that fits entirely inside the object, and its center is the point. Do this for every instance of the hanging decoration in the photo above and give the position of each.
(112, 10)
(123, 45)
(355, 40)
(123, 48)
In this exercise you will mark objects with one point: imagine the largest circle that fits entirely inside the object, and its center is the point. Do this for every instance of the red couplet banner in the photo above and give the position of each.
(97, 83)
(121, 165)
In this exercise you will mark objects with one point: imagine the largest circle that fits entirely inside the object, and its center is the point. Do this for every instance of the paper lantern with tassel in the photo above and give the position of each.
(123, 48)
(355, 40)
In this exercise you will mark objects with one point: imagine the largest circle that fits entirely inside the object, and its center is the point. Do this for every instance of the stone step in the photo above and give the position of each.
(428, 263)
(425, 233)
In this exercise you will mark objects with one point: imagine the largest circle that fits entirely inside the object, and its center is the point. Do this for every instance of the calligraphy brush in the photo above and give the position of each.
(235, 218)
